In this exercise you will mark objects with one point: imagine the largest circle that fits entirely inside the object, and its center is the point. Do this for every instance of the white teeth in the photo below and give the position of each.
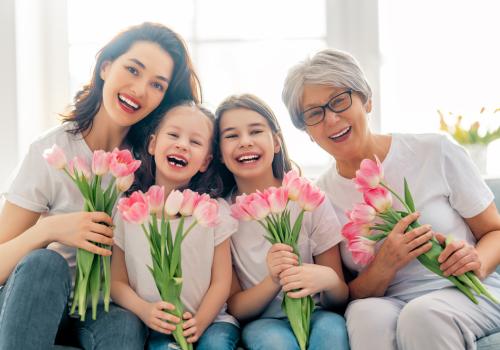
(342, 133)
(248, 158)
(178, 162)
(128, 101)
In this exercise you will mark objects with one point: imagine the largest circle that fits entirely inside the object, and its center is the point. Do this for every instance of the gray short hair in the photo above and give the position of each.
(328, 67)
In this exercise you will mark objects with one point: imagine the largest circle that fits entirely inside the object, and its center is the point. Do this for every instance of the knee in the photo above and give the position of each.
(326, 322)
(268, 334)
(44, 267)
(356, 312)
(128, 329)
(421, 316)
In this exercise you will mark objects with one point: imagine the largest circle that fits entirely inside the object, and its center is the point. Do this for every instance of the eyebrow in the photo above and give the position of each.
(140, 64)
(313, 105)
(231, 128)
(196, 133)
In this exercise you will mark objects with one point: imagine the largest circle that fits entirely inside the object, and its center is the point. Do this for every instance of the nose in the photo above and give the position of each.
(181, 144)
(139, 87)
(245, 140)
(330, 116)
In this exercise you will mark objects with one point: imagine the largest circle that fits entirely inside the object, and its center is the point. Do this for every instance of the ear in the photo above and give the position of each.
(105, 67)
(206, 163)
(368, 106)
(277, 143)
(152, 145)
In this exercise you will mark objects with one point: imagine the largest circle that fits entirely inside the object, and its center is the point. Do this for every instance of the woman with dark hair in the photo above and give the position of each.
(143, 69)
(398, 303)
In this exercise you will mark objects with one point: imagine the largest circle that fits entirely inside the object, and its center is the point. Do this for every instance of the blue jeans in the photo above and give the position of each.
(328, 331)
(218, 336)
(34, 311)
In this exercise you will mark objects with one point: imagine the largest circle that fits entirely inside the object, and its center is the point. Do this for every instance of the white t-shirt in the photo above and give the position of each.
(446, 187)
(197, 252)
(38, 187)
(319, 232)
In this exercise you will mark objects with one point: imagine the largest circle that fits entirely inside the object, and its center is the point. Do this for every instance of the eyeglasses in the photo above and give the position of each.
(336, 104)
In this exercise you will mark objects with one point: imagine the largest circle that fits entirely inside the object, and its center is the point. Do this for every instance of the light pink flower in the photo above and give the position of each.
(55, 157)
(173, 203)
(134, 209)
(352, 230)
(277, 199)
(189, 202)
(310, 196)
(100, 162)
(256, 205)
(80, 166)
(379, 198)
(369, 175)
(362, 213)
(122, 163)
(293, 183)
(239, 213)
(156, 199)
(362, 250)
(206, 213)
(124, 183)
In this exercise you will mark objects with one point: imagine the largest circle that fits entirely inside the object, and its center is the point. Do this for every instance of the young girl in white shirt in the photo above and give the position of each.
(254, 157)
(178, 155)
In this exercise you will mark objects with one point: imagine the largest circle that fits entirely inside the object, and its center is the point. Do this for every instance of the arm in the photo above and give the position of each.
(216, 296)
(151, 314)
(21, 232)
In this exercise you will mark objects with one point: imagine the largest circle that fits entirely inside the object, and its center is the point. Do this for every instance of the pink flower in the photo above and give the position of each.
(352, 230)
(124, 183)
(362, 213)
(189, 202)
(277, 199)
(122, 163)
(100, 162)
(379, 198)
(293, 183)
(256, 205)
(173, 203)
(156, 199)
(310, 196)
(369, 175)
(239, 213)
(206, 213)
(79, 166)
(362, 250)
(134, 209)
(55, 157)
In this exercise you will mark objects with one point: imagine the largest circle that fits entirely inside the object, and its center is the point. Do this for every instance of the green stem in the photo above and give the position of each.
(397, 196)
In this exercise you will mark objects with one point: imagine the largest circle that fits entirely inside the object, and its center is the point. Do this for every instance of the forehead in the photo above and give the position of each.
(152, 55)
(241, 117)
(188, 118)
(316, 95)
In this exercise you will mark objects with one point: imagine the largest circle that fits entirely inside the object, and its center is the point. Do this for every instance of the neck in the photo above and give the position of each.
(251, 185)
(104, 134)
(168, 185)
(375, 145)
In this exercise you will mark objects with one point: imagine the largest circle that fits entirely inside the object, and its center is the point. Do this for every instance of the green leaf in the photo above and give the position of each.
(408, 198)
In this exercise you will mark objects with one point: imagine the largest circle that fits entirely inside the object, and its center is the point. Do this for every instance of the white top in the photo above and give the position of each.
(320, 231)
(446, 187)
(38, 187)
(197, 252)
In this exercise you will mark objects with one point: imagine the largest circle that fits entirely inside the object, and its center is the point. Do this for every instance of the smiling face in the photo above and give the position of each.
(135, 83)
(344, 134)
(247, 144)
(182, 146)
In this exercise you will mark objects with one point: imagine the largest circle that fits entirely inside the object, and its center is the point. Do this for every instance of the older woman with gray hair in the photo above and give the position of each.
(397, 302)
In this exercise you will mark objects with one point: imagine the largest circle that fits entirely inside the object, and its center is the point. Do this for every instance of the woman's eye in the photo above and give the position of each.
(172, 134)
(132, 70)
(158, 86)
(230, 136)
(254, 132)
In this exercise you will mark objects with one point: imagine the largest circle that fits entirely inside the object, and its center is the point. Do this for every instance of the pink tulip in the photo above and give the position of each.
(353, 230)
(134, 209)
(100, 162)
(379, 198)
(289, 177)
(173, 203)
(369, 175)
(293, 183)
(362, 213)
(239, 213)
(310, 196)
(55, 157)
(156, 199)
(124, 183)
(362, 250)
(122, 163)
(189, 202)
(79, 166)
(277, 199)
(256, 206)
(206, 213)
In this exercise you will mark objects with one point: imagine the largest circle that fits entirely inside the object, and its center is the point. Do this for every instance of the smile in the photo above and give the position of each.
(340, 134)
(177, 161)
(248, 158)
(128, 102)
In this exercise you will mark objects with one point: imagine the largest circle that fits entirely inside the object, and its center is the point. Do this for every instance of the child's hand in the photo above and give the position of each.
(458, 257)
(191, 331)
(279, 258)
(307, 279)
(155, 318)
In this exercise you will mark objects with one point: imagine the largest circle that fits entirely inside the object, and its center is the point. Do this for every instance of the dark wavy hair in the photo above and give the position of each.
(207, 182)
(281, 161)
(184, 84)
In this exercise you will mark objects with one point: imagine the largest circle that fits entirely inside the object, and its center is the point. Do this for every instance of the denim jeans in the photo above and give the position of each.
(218, 336)
(34, 311)
(328, 331)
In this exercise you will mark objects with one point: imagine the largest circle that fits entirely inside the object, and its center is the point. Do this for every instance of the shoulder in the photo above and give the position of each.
(58, 134)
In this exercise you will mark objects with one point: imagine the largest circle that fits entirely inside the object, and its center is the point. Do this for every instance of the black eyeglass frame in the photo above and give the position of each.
(327, 105)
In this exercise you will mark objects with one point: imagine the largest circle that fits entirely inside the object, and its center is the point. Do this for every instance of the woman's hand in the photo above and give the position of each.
(157, 319)
(399, 248)
(279, 258)
(307, 279)
(80, 230)
(458, 257)
(191, 331)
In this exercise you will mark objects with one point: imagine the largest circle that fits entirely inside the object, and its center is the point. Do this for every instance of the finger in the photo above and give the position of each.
(189, 331)
(284, 261)
(160, 329)
(192, 339)
(472, 266)
(164, 325)
(281, 247)
(98, 238)
(419, 251)
(290, 271)
(291, 286)
(299, 294)
(95, 249)
(163, 305)
(167, 317)
(417, 242)
(417, 232)
(187, 315)
(99, 216)
(440, 238)
(403, 224)
(101, 229)
(451, 268)
(450, 250)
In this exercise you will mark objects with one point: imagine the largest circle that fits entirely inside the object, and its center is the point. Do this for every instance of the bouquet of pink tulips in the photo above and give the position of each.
(93, 271)
(372, 221)
(153, 213)
(270, 210)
